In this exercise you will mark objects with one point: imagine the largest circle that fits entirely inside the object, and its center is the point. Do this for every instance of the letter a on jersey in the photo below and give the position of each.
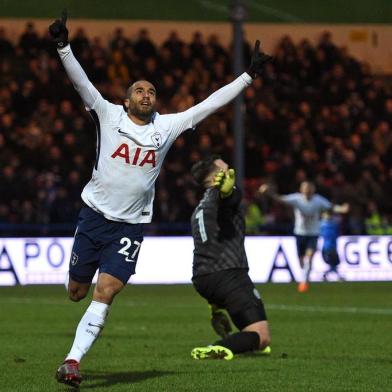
(149, 158)
(122, 152)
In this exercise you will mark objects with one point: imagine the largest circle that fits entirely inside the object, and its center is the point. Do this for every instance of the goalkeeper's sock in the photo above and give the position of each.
(89, 328)
(240, 342)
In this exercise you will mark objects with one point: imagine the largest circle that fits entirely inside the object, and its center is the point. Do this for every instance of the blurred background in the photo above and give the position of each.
(322, 110)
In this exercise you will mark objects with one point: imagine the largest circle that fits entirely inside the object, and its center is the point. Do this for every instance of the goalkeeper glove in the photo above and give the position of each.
(225, 182)
(220, 322)
(257, 61)
(59, 32)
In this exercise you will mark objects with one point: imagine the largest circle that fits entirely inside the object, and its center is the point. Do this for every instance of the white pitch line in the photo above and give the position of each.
(290, 308)
(265, 9)
(65, 301)
(329, 309)
(214, 6)
(33, 301)
(279, 14)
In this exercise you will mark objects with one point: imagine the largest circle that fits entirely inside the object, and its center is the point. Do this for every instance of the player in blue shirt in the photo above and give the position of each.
(307, 206)
(329, 232)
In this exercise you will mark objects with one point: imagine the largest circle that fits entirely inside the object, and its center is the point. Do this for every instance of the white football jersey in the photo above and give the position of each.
(130, 156)
(307, 212)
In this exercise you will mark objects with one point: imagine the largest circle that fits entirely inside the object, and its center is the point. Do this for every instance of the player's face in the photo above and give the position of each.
(307, 189)
(221, 165)
(141, 101)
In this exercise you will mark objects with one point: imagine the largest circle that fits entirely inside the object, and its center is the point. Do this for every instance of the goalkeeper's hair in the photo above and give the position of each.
(200, 170)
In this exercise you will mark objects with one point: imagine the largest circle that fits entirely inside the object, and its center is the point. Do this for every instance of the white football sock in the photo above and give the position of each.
(89, 328)
(306, 270)
(66, 283)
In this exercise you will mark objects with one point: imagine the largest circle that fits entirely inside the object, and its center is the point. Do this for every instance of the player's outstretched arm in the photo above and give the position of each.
(227, 93)
(266, 190)
(59, 34)
(341, 208)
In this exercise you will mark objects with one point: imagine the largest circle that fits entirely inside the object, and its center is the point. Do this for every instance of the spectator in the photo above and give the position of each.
(317, 111)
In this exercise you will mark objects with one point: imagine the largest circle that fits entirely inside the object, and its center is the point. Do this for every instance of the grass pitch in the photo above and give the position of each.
(337, 337)
(271, 11)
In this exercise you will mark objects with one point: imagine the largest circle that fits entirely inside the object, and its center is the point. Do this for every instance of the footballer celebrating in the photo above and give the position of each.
(220, 266)
(131, 147)
(307, 206)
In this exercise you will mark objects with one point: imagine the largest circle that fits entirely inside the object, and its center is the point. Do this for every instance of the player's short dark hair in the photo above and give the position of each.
(132, 86)
(200, 170)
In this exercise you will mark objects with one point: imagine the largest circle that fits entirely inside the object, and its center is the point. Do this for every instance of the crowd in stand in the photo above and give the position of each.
(317, 113)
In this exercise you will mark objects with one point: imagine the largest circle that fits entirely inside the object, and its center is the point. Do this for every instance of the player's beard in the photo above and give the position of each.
(141, 112)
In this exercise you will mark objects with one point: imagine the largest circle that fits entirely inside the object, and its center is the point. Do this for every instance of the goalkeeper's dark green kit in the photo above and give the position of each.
(218, 228)
(220, 266)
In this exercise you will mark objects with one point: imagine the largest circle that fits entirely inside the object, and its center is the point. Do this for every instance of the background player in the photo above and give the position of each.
(131, 146)
(220, 266)
(308, 207)
(329, 232)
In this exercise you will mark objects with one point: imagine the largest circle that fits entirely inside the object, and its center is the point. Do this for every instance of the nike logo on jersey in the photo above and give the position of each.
(130, 137)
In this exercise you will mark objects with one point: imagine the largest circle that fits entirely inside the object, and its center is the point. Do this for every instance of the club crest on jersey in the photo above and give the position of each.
(156, 139)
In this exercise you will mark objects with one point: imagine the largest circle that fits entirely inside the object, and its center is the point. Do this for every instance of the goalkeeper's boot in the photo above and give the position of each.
(265, 351)
(212, 352)
(68, 373)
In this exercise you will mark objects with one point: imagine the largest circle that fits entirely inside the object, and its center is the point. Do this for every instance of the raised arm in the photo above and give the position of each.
(266, 190)
(227, 93)
(218, 99)
(191, 117)
(78, 77)
(59, 33)
(341, 208)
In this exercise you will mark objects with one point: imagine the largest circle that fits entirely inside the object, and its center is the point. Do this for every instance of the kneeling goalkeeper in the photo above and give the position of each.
(220, 266)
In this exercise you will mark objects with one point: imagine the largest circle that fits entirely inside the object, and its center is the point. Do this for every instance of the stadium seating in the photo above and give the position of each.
(316, 113)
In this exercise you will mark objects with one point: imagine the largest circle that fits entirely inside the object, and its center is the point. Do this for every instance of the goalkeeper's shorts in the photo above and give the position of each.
(234, 291)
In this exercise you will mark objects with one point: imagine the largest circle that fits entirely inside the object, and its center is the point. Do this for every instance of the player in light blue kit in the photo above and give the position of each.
(308, 207)
(329, 232)
(131, 147)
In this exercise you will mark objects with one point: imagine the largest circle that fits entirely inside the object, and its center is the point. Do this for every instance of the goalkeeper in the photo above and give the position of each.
(220, 266)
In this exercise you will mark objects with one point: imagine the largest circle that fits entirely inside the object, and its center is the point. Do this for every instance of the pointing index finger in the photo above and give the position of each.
(64, 16)
(257, 46)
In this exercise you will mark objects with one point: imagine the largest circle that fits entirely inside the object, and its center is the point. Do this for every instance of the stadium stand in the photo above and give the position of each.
(317, 113)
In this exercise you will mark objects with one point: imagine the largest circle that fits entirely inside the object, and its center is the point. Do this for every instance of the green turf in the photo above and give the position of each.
(337, 337)
(271, 11)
